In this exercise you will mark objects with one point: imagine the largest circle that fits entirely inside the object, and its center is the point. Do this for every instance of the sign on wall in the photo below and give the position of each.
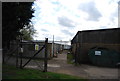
(36, 47)
(21, 50)
(97, 52)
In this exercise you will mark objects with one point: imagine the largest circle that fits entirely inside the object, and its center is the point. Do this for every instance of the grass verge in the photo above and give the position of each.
(11, 72)
(70, 59)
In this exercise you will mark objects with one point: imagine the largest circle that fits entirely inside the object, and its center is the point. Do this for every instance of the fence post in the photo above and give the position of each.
(21, 52)
(21, 60)
(53, 47)
(45, 59)
(17, 55)
(3, 57)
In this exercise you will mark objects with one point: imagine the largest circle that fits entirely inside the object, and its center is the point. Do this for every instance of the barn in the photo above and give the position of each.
(83, 41)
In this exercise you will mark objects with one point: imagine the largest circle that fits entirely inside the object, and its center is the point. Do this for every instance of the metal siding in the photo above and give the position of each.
(107, 38)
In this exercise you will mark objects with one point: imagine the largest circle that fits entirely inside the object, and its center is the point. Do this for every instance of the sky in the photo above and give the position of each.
(64, 18)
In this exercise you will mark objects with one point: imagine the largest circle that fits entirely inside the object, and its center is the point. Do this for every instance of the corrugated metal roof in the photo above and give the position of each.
(94, 30)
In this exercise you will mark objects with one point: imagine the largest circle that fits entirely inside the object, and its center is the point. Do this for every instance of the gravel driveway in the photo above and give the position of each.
(59, 65)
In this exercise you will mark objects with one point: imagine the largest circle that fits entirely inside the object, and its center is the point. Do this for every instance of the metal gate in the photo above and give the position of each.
(27, 55)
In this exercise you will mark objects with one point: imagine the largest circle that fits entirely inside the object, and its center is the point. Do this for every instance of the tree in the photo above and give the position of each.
(15, 16)
(28, 32)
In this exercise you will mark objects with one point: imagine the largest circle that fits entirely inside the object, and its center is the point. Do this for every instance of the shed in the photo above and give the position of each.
(83, 41)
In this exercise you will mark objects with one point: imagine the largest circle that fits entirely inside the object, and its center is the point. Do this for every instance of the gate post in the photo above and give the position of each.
(21, 51)
(17, 54)
(46, 58)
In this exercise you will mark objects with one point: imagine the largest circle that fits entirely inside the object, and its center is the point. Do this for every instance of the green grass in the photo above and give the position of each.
(70, 59)
(11, 72)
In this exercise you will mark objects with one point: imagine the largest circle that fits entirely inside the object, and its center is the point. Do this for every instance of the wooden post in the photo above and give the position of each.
(53, 47)
(3, 55)
(118, 71)
(76, 52)
(17, 55)
(21, 60)
(21, 52)
(45, 59)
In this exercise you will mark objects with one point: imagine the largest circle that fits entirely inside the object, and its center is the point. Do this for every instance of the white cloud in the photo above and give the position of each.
(63, 18)
(91, 9)
(64, 21)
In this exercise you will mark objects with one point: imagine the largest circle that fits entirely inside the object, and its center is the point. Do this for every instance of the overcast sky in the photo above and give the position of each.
(64, 18)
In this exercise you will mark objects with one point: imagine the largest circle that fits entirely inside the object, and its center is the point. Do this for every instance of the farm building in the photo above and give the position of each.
(67, 47)
(83, 41)
(31, 47)
(58, 48)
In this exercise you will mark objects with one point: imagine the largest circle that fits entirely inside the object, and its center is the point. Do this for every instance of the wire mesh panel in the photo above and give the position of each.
(11, 53)
(20, 56)
(29, 50)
